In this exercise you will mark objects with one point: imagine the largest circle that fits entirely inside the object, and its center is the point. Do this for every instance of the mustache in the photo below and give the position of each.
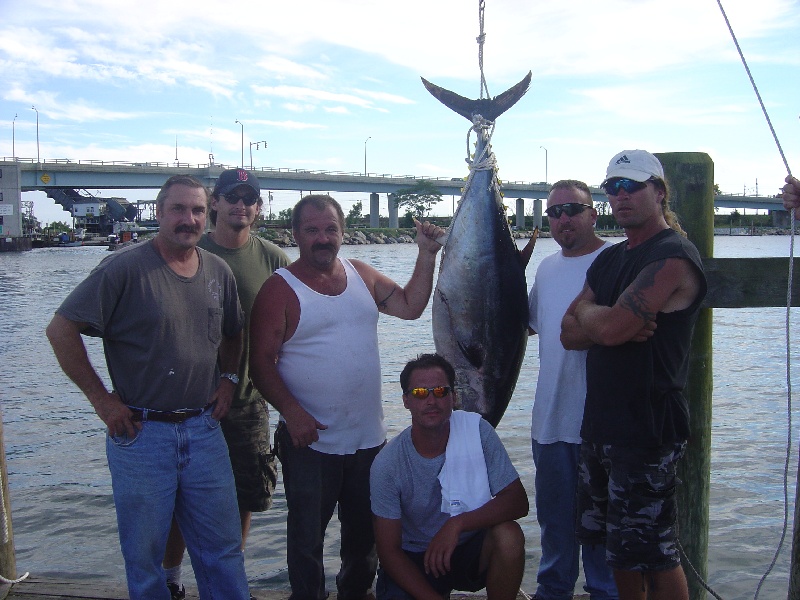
(316, 247)
(186, 229)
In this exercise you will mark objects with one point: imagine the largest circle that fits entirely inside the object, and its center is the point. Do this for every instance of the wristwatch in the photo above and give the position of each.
(232, 376)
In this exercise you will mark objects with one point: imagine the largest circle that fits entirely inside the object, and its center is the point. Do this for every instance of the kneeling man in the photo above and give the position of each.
(445, 497)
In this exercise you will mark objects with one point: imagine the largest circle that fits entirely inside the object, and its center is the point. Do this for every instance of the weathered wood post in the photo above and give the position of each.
(8, 563)
(691, 179)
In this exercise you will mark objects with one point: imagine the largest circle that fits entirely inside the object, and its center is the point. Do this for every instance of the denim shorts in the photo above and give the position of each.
(626, 500)
(246, 430)
(463, 576)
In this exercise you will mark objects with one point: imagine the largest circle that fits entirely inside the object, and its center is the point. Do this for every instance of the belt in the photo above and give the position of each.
(176, 416)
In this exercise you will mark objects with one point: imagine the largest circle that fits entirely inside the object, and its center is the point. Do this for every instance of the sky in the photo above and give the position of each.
(332, 84)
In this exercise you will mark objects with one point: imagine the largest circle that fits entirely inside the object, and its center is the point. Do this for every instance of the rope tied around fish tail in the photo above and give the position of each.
(486, 161)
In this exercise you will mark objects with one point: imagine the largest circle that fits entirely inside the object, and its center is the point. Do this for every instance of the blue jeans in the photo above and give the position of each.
(556, 484)
(181, 468)
(314, 483)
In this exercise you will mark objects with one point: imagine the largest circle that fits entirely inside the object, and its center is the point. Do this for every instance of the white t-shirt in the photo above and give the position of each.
(561, 387)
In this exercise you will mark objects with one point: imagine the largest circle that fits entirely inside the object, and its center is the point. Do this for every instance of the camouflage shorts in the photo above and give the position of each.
(246, 430)
(626, 500)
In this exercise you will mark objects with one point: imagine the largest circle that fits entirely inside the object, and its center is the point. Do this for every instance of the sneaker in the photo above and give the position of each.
(178, 592)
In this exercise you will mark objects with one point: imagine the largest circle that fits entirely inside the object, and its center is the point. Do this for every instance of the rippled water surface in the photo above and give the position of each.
(63, 515)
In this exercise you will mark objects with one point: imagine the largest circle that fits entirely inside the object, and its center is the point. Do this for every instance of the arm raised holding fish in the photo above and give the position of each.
(406, 302)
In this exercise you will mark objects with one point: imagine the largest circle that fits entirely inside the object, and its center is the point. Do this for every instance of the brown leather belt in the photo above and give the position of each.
(177, 416)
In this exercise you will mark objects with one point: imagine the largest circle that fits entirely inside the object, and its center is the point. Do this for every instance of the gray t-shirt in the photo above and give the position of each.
(405, 485)
(161, 332)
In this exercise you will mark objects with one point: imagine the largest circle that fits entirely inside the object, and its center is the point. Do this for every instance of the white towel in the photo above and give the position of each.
(464, 480)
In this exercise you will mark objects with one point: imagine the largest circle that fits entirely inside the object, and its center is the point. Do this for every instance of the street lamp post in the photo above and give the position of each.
(14, 137)
(242, 125)
(269, 195)
(545, 163)
(365, 155)
(256, 144)
(37, 134)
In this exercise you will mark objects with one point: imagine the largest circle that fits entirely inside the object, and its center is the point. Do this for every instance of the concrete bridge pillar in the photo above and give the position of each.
(520, 212)
(537, 213)
(11, 238)
(393, 220)
(374, 211)
(781, 218)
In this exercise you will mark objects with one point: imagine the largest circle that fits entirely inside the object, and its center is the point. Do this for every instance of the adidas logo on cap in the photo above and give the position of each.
(623, 159)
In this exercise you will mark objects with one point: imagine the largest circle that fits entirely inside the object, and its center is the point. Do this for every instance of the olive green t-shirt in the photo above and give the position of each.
(251, 264)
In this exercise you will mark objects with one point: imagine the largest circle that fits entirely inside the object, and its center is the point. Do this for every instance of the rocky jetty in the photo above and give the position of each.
(358, 237)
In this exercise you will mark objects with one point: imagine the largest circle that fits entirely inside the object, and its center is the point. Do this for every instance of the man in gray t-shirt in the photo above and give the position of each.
(170, 320)
(445, 497)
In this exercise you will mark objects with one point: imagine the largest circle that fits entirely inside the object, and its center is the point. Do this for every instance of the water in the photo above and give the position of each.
(63, 515)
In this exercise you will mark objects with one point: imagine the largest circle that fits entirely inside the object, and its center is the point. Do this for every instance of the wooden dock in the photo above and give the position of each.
(39, 588)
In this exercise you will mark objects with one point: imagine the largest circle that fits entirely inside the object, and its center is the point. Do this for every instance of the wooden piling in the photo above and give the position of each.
(8, 563)
(691, 179)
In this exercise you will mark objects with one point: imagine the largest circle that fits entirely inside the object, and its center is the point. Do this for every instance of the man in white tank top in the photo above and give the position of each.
(314, 357)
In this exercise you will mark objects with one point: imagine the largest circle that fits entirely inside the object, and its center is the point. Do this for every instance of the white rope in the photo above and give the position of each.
(3, 512)
(6, 536)
(13, 581)
(787, 324)
(486, 161)
(481, 39)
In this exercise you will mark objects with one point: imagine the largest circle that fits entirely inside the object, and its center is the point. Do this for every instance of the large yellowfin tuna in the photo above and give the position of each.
(480, 307)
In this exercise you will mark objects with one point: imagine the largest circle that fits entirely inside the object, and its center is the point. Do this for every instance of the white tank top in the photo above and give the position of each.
(332, 366)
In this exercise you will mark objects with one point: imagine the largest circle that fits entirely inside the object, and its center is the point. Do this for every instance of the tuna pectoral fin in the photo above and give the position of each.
(489, 109)
(524, 255)
(474, 355)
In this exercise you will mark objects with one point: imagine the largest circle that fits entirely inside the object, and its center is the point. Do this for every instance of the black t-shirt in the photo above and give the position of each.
(634, 391)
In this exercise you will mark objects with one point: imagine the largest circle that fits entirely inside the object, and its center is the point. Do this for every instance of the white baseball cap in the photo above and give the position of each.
(638, 165)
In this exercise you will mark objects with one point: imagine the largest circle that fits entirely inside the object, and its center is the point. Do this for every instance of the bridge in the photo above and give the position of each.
(97, 174)
(59, 176)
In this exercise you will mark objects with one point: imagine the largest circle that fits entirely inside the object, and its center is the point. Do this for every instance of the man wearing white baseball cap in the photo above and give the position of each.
(635, 317)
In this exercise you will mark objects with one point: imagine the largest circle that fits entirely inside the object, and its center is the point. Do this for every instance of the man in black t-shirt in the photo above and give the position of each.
(635, 316)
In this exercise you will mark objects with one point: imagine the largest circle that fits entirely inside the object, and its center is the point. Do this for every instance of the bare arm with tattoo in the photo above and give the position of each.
(662, 286)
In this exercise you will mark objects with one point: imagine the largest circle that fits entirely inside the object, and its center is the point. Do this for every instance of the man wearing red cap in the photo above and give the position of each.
(635, 316)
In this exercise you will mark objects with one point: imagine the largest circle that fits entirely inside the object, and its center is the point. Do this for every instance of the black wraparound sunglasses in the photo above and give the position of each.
(569, 208)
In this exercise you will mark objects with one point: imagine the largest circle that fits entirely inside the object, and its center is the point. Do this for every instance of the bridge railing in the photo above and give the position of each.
(125, 163)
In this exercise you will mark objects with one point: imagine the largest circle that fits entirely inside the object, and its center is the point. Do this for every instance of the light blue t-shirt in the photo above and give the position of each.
(405, 485)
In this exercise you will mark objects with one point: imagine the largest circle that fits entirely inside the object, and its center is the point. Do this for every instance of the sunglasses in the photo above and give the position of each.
(438, 392)
(612, 186)
(569, 208)
(232, 198)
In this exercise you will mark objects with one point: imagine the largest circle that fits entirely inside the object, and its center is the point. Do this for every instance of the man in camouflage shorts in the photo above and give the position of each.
(635, 315)
(628, 504)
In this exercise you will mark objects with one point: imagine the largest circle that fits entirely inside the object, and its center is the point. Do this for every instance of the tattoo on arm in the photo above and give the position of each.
(382, 303)
(633, 299)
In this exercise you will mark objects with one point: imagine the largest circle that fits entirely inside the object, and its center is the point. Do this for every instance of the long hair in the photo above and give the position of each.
(669, 216)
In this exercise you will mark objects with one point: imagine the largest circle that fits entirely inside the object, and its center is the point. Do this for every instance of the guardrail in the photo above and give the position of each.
(124, 163)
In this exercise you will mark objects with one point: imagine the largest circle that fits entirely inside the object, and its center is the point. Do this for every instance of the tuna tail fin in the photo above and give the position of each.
(488, 108)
